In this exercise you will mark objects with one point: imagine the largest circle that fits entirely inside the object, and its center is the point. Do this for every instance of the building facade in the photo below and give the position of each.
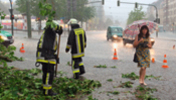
(151, 11)
(99, 19)
(169, 14)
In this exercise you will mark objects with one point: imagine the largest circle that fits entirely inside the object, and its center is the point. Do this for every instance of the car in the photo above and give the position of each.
(130, 39)
(114, 32)
(6, 37)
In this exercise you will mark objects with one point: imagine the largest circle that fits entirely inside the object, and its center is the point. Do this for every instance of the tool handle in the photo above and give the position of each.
(57, 54)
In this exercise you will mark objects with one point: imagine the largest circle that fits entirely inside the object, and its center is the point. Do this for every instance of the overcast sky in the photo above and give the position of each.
(121, 13)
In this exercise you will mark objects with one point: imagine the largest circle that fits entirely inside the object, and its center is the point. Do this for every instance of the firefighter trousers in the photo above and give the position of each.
(48, 76)
(77, 67)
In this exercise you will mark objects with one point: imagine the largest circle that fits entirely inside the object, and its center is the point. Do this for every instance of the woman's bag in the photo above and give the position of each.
(135, 58)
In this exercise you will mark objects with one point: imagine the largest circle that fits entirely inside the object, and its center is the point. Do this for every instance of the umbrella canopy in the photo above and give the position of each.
(133, 29)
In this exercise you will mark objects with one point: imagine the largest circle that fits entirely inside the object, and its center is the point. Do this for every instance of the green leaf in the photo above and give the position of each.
(48, 7)
(101, 66)
(114, 92)
(6, 92)
(109, 80)
(40, 5)
(28, 97)
(113, 67)
(53, 13)
(2, 17)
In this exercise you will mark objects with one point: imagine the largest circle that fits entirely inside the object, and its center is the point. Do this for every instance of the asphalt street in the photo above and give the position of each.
(100, 51)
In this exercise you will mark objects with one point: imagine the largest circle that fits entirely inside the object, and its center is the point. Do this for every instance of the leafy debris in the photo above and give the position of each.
(126, 85)
(109, 80)
(151, 76)
(68, 63)
(22, 85)
(91, 98)
(133, 76)
(144, 93)
(101, 66)
(114, 92)
(113, 67)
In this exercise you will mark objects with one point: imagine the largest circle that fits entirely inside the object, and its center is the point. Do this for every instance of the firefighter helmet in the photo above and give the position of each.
(72, 21)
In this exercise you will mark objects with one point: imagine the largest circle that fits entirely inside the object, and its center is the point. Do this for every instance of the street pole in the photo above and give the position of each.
(12, 27)
(28, 19)
(11, 13)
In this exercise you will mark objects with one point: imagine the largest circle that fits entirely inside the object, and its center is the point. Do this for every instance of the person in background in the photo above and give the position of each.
(77, 43)
(142, 43)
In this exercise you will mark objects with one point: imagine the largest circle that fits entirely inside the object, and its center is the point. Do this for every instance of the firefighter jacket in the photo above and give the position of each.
(47, 46)
(76, 41)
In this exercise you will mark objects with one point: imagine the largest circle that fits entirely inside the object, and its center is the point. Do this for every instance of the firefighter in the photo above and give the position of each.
(46, 55)
(77, 43)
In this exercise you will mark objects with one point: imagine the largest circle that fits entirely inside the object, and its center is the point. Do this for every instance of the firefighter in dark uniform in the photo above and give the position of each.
(77, 43)
(46, 55)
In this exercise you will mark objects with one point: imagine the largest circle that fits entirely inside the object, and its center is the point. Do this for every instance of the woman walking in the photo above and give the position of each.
(142, 43)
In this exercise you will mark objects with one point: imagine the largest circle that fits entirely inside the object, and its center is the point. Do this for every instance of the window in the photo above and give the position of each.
(116, 30)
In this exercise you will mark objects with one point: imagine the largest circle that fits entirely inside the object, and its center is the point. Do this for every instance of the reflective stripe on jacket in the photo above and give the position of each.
(46, 48)
(76, 42)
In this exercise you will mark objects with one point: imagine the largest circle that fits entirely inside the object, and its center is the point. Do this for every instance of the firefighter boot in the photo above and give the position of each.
(82, 70)
(50, 93)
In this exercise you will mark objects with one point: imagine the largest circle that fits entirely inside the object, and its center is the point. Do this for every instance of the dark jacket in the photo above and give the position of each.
(76, 41)
(47, 46)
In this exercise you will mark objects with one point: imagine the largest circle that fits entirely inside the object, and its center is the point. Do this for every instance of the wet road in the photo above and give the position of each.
(100, 51)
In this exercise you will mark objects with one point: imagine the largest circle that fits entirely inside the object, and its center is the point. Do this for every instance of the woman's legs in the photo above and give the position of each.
(140, 76)
(143, 75)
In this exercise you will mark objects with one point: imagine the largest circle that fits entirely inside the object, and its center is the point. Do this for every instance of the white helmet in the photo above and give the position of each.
(72, 21)
(55, 22)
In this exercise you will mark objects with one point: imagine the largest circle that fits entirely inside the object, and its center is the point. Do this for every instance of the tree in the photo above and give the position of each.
(34, 9)
(135, 15)
(82, 13)
(49, 11)
(6, 53)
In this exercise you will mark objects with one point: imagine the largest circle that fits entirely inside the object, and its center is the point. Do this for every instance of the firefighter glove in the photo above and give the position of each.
(59, 30)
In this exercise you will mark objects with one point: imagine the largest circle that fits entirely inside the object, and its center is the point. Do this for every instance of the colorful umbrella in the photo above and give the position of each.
(134, 28)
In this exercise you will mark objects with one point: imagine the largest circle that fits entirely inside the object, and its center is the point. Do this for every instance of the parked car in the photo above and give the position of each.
(130, 39)
(6, 37)
(114, 33)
